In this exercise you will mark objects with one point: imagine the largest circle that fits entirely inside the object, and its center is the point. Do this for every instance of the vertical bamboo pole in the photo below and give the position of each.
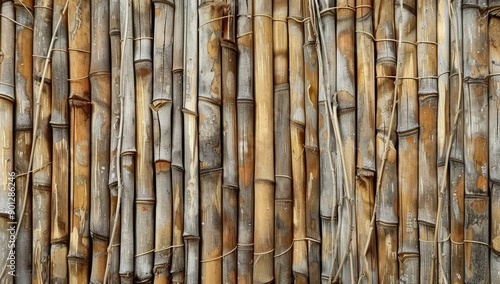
(162, 132)
(42, 150)
(387, 214)
(80, 131)
(427, 155)
(60, 150)
(475, 60)
(283, 219)
(100, 83)
(365, 176)
(177, 269)
(264, 153)
(246, 154)
(23, 135)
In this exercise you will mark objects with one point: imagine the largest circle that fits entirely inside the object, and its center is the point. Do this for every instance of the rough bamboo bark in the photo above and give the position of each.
(427, 139)
(387, 212)
(23, 136)
(162, 132)
(365, 176)
(42, 150)
(264, 153)
(283, 219)
(100, 83)
(80, 131)
(245, 112)
(476, 69)
(60, 150)
(177, 170)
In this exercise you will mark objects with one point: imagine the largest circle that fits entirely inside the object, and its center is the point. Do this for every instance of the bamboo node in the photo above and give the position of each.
(16, 22)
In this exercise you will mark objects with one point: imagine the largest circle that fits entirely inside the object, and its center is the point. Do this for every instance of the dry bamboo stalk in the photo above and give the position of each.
(365, 177)
(177, 268)
(60, 151)
(162, 133)
(387, 212)
(427, 155)
(264, 153)
(128, 144)
(245, 119)
(283, 219)
(7, 99)
(42, 144)
(100, 83)
(475, 60)
(23, 135)
(80, 132)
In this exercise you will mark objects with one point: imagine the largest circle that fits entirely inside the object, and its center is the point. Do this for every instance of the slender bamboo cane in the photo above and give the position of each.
(475, 60)
(7, 99)
(23, 135)
(283, 219)
(60, 151)
(246, 154)
(100, 83)
(80, 131)
(162, 132)
(177, 269)
(264, 154)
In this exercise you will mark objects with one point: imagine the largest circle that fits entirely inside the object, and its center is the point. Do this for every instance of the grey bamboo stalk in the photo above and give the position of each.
(23, 135)
(162, 136)
(7, 99)
(80, 133)
(41, 179)
(128, 144)
(387, 213)
(283, 236)
(365, 177)
(60, 150)
(246, 154)
(100, 84)
(230, 149)
(191, 162)
(177, 269)
(428, 117)
(476, 69)
(264, 154)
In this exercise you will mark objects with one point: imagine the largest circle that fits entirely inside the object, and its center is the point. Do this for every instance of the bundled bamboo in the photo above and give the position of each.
(60, 150)
(42, 154)
(162, 135)
(387, 179)
(283, 219)
(100, 83)
(427, 144)
(365, 176)
(23, 136)
(245, 120)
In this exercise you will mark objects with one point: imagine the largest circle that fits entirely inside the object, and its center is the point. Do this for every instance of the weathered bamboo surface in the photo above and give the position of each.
(237, 141)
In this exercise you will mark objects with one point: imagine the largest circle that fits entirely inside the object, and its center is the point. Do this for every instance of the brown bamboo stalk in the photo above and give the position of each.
(100, 83)
(365, 177)
(42, 144)
(7, 99)
(80, 133)
(60, 150)
(387, 207)
(475, 60)
(264, 153)
(427, 155)
(177, 269)
(23, 135)
(210, 147)
(245, 119)
(162, 136)
(283, 235)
